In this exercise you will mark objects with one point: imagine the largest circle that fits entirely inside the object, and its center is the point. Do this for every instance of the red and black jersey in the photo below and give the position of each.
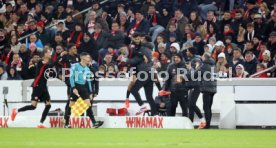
(43, 72)
(64, 64)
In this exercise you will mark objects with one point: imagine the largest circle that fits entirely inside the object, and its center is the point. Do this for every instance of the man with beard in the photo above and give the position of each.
(143, 74)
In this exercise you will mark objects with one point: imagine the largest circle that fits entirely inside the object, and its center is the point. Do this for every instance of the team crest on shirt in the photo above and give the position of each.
(174, 71)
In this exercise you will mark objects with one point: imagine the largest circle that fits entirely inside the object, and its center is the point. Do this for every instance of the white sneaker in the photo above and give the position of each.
(142, 110)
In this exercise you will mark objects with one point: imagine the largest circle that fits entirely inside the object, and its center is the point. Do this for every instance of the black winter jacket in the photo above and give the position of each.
(208, 84)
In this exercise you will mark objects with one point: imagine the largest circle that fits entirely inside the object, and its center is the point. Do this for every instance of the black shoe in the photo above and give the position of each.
(207, 127)
(98, 124)
(67, 126)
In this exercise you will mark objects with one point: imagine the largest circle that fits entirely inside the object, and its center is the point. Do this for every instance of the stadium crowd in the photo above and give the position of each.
(240, 35)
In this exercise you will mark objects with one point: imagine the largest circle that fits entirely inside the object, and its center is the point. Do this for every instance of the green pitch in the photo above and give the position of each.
(135, 138)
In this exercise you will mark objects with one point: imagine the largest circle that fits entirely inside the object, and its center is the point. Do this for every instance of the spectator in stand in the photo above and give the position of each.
(76, 36)
(32, 65)
(19, 65)
(162, 48)
(180, 20)
(271, 26)
(124, 24)
(120, 11)
(70, 23)
(249, 46)
(226, 20)
(160, 39)
(228, 32)
(259, 68)
(36, 41)
(241, 36)
(108, 60)
(130, 16)
(164, 61)
(219, 47)
(80, 5)
(23, 13)
(97, 8)
(60, 14)
(154, 19)
(212, 41)
(221, 61)
(89, 45)
(140, 24)
(24, 53)
(250, 63)
(102, 71)
(13, 75)
(173, 29)
(116, 36)
(63, 30)
(267, 61)
(229, 46)
(3, 73)
(171, 40)
(212, 31)
(106, 17)
(174, 49)
(111, 71)
(272, 45)
(206, 6)
(92, 20)
(165, 15)
(15, 44)
(194, 20)
(42, 34)
(224, 71)
(262, 48)
(199, 44)
(100, 38)
(237, 21)
(259, 25)
(240, 72)
(250, 32)
(237, 59)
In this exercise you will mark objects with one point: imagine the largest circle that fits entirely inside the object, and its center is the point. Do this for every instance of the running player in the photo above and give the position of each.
(40, 90)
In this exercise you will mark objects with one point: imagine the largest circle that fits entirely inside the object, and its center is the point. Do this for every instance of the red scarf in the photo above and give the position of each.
(18, 63)
(134, 28)
(228, 33)
(78, 39)
(96, 35)
(55, 57)
(8, 58)
(154, 18)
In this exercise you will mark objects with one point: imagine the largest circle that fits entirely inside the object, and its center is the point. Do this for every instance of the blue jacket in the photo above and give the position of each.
(80, 75)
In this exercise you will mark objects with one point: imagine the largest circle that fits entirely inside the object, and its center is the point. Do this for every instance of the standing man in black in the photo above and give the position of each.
(193, 85)
(65, 62)
(208, 86)
(144, 72)
(176, 85)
